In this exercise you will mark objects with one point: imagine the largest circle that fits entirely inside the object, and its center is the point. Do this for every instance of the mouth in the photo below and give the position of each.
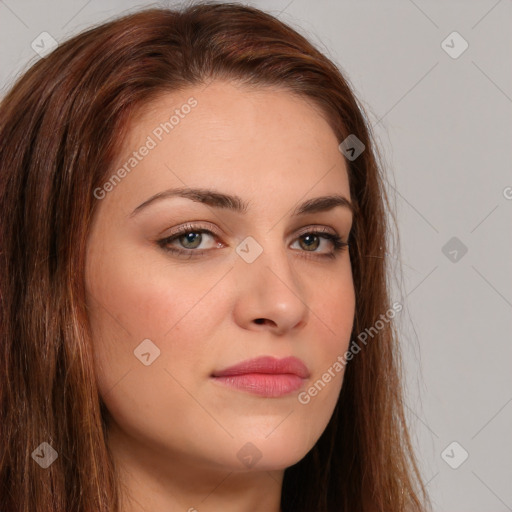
(265, 376)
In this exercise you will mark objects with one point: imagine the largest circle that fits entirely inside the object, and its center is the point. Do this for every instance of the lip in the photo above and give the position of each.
(265, 376)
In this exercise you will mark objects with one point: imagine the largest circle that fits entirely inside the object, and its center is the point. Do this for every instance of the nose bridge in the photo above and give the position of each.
(267, 256)
(268, 287)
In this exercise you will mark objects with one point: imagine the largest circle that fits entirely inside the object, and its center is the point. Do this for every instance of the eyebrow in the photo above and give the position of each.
(235, 203)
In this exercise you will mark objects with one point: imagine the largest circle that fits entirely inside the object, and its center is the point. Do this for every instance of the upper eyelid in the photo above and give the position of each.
(190, 227)
(205, 225)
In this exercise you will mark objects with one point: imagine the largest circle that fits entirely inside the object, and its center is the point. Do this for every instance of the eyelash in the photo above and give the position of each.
(338, 244)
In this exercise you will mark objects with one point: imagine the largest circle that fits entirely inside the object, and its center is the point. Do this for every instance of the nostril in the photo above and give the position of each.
(260, 320)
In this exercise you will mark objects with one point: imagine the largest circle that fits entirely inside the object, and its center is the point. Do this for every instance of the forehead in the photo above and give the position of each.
(244, 140)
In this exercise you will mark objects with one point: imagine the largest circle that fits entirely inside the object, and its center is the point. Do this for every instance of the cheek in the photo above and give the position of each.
(332, 308)
(135, 298)
(174, 309)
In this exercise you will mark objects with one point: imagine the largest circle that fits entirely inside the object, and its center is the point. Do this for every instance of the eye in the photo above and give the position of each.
(312, 239)
(190, 240)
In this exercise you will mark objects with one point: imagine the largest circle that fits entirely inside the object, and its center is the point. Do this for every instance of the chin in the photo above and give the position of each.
(277, 452)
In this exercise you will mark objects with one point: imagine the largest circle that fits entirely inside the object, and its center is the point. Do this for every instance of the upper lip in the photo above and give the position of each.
(266, 364)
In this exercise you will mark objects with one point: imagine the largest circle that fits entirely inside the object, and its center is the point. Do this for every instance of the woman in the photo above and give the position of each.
(195, 313)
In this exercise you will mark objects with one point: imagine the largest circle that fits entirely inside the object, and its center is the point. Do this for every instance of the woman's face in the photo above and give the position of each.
(168, 317)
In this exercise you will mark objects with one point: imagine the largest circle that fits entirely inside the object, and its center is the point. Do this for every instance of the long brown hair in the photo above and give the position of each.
(60, 128)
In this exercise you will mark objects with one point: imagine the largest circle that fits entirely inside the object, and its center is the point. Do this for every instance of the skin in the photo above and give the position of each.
(174, 432)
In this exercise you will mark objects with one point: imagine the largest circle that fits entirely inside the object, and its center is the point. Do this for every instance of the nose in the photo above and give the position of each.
(269, 294)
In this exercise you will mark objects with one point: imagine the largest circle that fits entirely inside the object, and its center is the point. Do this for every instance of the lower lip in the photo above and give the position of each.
(264, 384)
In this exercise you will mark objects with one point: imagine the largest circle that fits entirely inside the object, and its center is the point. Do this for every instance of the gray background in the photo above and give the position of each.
(444, 126)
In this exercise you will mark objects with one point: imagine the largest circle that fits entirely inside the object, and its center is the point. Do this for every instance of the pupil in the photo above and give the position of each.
(311, 238)
(190, 238)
